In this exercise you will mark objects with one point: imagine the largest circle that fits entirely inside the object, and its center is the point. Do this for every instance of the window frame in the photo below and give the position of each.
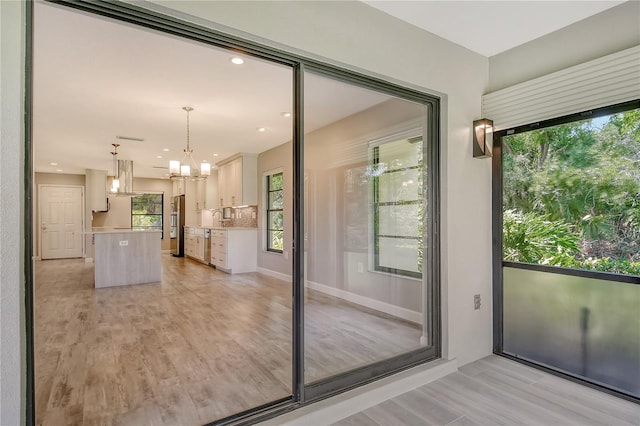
(376, 204)
(146, 228)
(498, 262)
(268, 191)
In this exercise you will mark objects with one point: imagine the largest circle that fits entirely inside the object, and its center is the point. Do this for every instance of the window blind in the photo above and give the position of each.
(605, 81)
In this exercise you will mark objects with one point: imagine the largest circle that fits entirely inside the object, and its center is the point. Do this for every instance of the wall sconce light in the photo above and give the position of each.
(482, 138)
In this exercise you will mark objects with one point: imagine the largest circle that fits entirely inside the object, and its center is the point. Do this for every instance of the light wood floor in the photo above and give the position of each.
(196, 347)
(498, 391)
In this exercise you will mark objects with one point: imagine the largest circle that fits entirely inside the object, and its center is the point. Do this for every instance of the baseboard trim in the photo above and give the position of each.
(166, 251)
(387, 308)
(88, 259)
(334, 409)
(275, 274)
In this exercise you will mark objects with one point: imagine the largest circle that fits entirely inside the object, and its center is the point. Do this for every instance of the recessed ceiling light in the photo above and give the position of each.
(166, 149)
(53, 164)
(158, 156)
(204, 161)
(58, 170)
(261, 129)
(237, 61)
(285, 114)
(215, 155)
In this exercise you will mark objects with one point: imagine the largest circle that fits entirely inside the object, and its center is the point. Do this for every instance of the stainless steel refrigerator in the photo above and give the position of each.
(177, 226)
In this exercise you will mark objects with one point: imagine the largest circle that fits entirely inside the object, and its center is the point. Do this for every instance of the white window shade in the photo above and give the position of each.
(605, 81)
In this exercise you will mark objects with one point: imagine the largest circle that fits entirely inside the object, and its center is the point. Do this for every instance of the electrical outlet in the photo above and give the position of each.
(476, 301)
(124, 243)
(360, 267)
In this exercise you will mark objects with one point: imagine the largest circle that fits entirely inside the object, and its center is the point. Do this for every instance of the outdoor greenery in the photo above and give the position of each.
(275, 214)
(146, 211)
(572, 195)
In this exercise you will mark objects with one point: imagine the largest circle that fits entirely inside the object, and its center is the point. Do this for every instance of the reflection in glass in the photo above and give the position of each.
(363, 228)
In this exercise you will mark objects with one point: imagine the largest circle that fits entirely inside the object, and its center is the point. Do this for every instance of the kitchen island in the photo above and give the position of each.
(125, 257)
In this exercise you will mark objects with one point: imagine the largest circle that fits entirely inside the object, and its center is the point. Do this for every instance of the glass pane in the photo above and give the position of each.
(399, 220)
(201, 344)
(275, 220)
(572, 195)
(276, 200)
(583, 326)
(402, 185)
(276, 241)
(275, 182)
(356, 315)
(399, 253)
(401, 155)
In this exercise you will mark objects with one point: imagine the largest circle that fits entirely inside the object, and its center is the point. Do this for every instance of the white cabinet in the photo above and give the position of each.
(211, 198)
(194, 243)
(234, 250)
(238, 180)
(96, 181)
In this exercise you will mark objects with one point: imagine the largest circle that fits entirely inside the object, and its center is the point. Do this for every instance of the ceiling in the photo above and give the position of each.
(96, 79)
(491, 27)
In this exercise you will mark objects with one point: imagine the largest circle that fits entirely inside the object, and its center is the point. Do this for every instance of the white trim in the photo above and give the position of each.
(334, 409)
(605, 81)
(166, 251)
(274, 274)
(88, 259)
(387, 308)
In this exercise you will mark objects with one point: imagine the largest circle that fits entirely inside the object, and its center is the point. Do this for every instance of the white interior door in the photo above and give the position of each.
(61, 221)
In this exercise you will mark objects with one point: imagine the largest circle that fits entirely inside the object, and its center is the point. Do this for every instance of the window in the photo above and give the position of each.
(275, 219)
(571, 195)
(398, 207)
(146, 212)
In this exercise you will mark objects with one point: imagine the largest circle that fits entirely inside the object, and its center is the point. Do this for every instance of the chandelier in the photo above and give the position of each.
(188, 169)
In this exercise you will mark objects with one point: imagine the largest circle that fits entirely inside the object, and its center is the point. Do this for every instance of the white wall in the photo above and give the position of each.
(12, 359)
(280, 157)
(608, 32)
(361, 38)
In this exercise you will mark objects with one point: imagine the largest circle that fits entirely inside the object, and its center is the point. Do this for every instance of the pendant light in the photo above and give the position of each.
(188, 169)
(115, 183)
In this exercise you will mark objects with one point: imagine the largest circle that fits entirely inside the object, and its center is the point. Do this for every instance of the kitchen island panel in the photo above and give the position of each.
(127, 258)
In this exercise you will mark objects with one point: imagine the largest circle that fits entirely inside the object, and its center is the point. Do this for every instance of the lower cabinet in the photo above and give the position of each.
(194, 244)
(234, 250)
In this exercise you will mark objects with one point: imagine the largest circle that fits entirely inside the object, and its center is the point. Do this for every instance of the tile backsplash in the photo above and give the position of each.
(245, 217)
(241, 217)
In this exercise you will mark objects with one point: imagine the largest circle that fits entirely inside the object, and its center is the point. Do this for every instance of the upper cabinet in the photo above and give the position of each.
(96, 182)
(237, 180)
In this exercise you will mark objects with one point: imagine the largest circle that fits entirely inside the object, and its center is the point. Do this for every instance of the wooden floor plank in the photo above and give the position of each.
(198, 346)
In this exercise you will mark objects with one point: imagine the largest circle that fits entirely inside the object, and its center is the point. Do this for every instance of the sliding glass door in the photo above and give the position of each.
(368, 241)
(336, 172)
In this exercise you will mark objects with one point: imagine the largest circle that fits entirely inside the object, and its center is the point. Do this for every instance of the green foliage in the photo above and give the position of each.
(583, 178)
(531, 238)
